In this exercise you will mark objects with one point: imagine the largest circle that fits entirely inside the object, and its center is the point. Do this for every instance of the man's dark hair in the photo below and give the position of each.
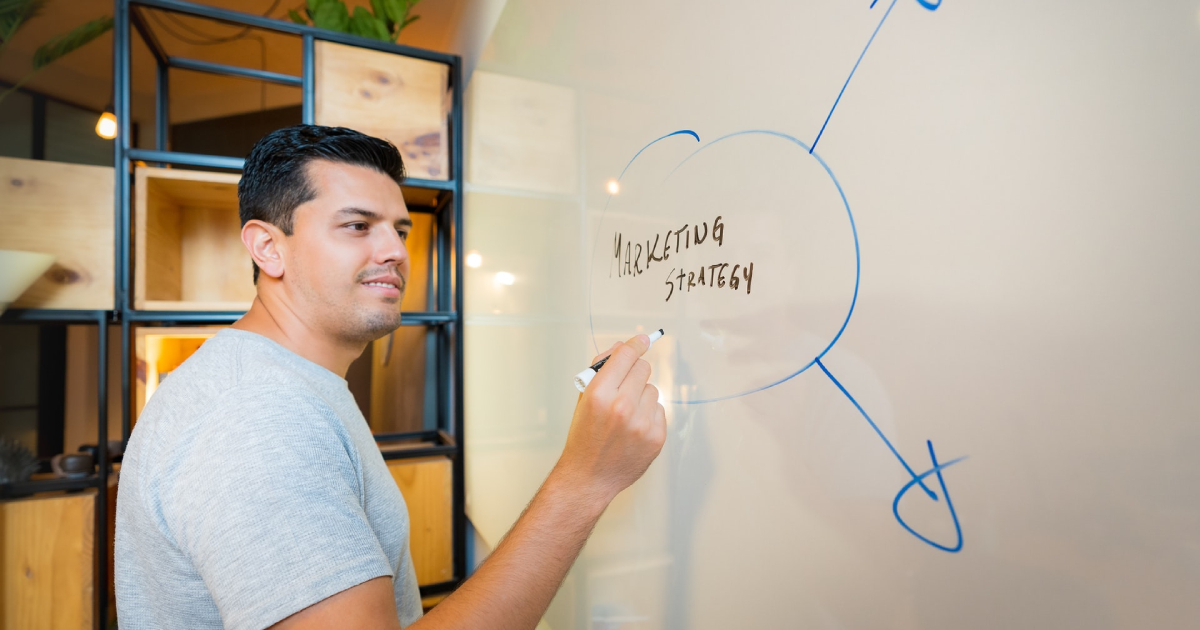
(275, 180)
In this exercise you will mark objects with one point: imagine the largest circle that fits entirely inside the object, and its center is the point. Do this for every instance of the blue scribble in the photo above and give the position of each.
(937, 468)
(853, 232)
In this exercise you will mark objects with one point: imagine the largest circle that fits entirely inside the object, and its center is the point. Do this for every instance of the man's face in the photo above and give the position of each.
(347, 261)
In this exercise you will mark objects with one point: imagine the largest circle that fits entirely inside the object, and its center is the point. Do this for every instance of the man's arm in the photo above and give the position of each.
(617, 430)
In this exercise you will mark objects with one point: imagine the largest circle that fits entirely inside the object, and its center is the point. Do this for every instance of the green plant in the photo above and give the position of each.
(15, 13)
(384, 22)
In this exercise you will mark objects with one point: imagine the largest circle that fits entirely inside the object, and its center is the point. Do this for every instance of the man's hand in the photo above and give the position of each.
(618, 428)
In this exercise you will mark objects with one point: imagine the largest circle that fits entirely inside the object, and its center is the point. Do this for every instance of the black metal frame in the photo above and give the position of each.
(444, 322)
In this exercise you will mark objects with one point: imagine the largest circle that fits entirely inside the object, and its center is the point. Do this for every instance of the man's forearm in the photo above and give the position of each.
(512, 589)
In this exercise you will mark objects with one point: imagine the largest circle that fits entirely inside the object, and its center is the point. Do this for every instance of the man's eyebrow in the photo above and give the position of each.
(371, 215)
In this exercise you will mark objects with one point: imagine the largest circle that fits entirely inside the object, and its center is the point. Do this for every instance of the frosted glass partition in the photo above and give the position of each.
(929, 276)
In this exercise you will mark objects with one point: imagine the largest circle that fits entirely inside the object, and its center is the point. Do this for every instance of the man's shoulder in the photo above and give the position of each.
(230, 371)
(231, 390)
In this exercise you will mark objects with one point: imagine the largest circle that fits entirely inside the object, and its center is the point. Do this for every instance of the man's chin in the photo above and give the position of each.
(374, 326)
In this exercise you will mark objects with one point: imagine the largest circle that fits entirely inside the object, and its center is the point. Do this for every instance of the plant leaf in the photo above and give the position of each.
(332, 15)
(294, 16)
(396, 10)
(14, 14)
(366, 25)
(313, 5)
(360, 23)
(410, 20)
(73, 40)
(380, 10)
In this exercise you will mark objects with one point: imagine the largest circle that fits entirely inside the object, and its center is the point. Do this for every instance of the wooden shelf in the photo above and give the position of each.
(426, 486)
(47, 557)
(187, 251)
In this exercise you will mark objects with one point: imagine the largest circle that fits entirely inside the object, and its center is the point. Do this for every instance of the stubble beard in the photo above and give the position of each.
(359, 322)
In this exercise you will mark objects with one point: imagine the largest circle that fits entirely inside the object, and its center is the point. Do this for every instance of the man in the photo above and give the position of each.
(252, 493)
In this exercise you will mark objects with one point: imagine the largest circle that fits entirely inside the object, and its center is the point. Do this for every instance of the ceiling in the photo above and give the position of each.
(85, 76)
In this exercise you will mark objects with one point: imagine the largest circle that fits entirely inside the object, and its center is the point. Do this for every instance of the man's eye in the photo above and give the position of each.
(358, 227)
(403, 235)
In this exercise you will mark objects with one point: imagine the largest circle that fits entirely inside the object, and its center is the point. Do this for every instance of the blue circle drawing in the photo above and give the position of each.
(849, 215)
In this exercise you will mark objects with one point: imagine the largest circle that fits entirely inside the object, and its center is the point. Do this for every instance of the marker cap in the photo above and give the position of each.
(583, 378)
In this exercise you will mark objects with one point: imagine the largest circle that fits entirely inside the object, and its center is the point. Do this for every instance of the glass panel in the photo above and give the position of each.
(71, 136)
(16, 125)
(48, 381)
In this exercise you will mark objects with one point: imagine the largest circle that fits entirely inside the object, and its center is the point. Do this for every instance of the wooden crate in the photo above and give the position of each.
(390, 96)
(65, 210)
(47, 560)
(188, 254)
(426, 483)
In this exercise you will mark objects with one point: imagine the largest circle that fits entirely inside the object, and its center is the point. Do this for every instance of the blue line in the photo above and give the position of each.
(916, 479)
(857, 267)
(591, 324)
(946, 493)
(873, 4)
(860, 58)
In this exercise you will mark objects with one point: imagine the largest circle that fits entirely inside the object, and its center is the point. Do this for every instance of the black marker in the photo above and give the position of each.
(583, 378)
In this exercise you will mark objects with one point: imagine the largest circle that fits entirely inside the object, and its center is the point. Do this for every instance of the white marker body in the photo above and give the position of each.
(585, 377)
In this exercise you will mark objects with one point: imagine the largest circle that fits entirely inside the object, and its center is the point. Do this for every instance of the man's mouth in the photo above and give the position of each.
(388, 286)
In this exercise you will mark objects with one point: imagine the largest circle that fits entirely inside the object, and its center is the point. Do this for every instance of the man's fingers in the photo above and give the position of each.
(648, 403)
(635, 381)
(606, 353)
(620, 361)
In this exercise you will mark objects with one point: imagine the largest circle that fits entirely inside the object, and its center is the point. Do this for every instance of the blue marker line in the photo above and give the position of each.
(916, 478)
(685, 132)
(860, 58)
(937, 468)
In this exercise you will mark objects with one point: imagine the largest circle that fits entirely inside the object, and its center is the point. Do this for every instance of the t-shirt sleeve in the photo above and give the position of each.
(268, 506)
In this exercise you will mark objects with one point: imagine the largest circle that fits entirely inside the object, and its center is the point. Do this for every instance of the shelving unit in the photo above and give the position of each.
(177, 264)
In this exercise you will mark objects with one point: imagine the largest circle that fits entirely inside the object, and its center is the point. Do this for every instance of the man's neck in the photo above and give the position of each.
(279, 323)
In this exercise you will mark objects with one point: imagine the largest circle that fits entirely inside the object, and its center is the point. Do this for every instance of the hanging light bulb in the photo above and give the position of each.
(106, 127)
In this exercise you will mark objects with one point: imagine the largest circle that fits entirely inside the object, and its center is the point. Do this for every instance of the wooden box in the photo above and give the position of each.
(426, 484)
(188, 254)
(390, 96)
(65, 210)
(47, 560)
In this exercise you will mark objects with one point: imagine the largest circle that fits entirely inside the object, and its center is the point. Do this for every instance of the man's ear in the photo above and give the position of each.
(264, 242)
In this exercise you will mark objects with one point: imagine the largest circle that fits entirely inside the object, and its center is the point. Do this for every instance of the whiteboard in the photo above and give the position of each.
(959, 389)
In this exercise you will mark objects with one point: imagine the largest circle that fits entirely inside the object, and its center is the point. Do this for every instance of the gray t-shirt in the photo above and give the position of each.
(251, 489)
